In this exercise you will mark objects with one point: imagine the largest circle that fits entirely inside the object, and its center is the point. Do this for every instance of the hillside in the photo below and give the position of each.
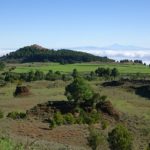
(36, 53)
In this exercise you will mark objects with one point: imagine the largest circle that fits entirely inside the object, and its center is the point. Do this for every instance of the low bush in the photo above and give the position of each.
(83, 118)
(16, 115)
(8, 144)
(120, 138)
(96, 139)
(58, 118)
(104, 124)
(69, 119)
(90, 118)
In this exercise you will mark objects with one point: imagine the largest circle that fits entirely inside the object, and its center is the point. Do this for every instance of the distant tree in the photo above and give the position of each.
(2, 65)
(39, 75)
(75, 73)
(79, 91)
(114, 72)
(31, 76)
(120, 138)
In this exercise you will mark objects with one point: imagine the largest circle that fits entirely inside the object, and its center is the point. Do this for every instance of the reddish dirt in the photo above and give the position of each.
(75, 135)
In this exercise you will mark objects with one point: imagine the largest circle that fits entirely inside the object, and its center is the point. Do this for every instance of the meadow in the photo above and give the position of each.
(81, 67)
(133, 108)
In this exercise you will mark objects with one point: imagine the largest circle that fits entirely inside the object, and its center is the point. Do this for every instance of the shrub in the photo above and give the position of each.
(8, 144)
(58, 118)
(69, 119)
(96, 139)
(120, 139)
(90, 118)
(52, 124)
(104, 124)
(1, 114)
(16, 115)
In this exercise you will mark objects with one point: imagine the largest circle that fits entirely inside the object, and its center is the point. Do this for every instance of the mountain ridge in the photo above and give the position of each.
(37, 53)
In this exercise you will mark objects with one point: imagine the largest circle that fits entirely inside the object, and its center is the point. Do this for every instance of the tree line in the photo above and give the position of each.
(35, 54)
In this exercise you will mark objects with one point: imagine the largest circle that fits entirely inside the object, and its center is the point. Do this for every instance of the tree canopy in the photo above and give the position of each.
(79, 91)
(35, 53)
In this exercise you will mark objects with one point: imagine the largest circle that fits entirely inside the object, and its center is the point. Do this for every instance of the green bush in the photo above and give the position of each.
(8, 144)
(120, 138)
(16, 115)
(90, 118)
(1, 114)
(58, 118)
(69, 119)
(52, 124)
(104, 124)
(84, 118)
(96, 139)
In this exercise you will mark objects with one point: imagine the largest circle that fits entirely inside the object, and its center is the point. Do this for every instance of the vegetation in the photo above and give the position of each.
(37, 53)
(79, 91)
(120, 138)
(107, 72)
(2, 65)
(96, 139)
(16, 115)
(8, 144)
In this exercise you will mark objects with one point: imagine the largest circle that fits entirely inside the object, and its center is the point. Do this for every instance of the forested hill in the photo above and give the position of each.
(35, 53)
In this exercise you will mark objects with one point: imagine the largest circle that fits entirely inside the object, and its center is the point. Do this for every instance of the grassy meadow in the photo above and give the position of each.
(81, 67)
(133, 107)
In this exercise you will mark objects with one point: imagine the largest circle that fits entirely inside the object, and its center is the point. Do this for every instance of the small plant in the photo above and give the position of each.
(58, 118)
(16, 115)
(104, 124)
(69, 119)
(1, 114)
(120, 138)
(52, 124)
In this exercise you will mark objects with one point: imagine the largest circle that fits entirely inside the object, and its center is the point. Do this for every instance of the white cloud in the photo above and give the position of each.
(143, 55)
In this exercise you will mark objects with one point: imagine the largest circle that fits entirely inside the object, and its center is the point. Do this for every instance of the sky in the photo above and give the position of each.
(72, 23)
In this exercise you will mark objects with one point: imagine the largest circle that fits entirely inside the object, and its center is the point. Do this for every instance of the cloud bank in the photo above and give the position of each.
(143, 55)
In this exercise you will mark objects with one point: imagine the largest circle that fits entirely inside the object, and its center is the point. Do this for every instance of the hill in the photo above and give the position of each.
(36, 53)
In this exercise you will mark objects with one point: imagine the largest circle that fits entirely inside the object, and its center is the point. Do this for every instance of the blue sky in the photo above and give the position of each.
(71, 23)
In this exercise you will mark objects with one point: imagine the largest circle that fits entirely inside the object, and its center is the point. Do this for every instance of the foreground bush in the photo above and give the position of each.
(7, 144)
(83, 118)
(16, 115)
(120, 139)
(96, 139)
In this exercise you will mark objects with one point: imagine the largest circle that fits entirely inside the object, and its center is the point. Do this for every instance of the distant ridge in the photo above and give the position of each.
(37, 53)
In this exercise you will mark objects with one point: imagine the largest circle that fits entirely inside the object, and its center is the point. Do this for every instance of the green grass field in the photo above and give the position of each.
(81, 67)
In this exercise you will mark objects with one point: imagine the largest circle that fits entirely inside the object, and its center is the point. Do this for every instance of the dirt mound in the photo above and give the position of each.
(108, 108)
(46, 111)
(21, 91)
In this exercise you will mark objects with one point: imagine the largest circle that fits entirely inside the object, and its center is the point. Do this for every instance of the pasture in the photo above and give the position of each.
(81, 67)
